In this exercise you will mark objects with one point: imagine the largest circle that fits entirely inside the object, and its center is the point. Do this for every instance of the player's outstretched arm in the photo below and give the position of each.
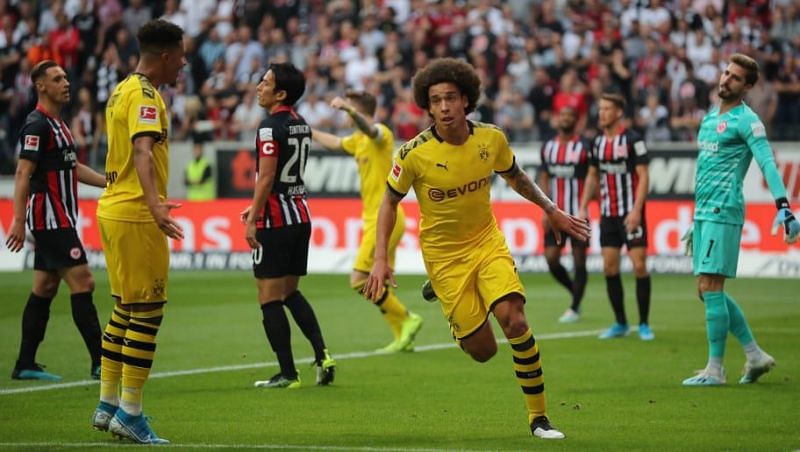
(90, 177)
(143, 162)
(22, 188)
(558, 219)
(756, 137)
(381, 272)
(364, 124)
(327, 140)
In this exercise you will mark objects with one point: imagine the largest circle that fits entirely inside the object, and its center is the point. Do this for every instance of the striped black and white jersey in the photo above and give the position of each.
(566, 162)
(284, 135)
(53, 199)
(616, 157)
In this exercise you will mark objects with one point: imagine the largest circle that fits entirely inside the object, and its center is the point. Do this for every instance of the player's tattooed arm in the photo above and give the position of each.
(522, 184)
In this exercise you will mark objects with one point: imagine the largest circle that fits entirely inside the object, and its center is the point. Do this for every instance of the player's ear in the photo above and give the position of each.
(281, 95)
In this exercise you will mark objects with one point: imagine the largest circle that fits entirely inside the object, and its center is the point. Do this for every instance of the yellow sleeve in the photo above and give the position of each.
(505, 156)
(402, 174)
(349, 144)
(143, 114)
(384, 135)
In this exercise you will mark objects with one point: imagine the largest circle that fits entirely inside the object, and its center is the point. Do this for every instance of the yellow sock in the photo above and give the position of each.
(137, 357)
(528, 368)
(111, 356)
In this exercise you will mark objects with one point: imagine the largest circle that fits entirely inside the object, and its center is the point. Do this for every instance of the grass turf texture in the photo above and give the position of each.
(605, 395)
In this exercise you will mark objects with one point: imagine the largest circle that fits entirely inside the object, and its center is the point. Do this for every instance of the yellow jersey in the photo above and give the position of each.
(374, 159)
(134, 109)
(452, 184)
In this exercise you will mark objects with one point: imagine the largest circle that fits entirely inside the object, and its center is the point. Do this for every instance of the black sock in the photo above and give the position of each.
(560, 274)
(643, 298)
(276, 326)
(617, 297)
(84, 314)
(303, 315)
(34, 324)
(578, 288)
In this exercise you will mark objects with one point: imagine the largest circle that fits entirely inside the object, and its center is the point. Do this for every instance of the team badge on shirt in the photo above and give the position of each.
(31, 143)
(722, 126)
(397, 170)
(148, 114)
(483, 151)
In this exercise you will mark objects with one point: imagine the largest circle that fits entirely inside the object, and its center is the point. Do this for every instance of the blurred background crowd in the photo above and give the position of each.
(533, 57)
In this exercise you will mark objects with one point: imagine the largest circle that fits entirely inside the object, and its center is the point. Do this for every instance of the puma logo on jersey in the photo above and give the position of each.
(442, 165)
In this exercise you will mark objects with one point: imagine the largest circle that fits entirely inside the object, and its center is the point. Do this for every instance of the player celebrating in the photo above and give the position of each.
(278, 225)
(619, 160)
(565, 162)
(471, 270)
(730, 135)
(371, 145)
(47, 180)
(134, 218)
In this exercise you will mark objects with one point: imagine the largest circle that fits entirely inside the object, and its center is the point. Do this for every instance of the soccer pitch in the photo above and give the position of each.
(620, 394)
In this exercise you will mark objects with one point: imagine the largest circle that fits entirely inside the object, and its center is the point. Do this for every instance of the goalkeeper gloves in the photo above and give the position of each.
(785, 218)
(687, 241)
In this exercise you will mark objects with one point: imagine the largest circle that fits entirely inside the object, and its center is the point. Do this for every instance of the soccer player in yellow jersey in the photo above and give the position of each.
(134, 218)
(450, 167)
(371, 145)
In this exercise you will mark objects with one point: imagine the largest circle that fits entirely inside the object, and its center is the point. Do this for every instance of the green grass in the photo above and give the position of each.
(610, 395)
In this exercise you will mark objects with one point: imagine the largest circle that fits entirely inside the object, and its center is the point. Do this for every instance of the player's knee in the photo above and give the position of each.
(552, 262)
(87, 283)
(46, 289)
(483, 353)
(640, 269)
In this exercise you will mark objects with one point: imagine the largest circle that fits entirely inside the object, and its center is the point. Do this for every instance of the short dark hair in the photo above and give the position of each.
(617, 99)
(447, 70)
(158, 35)
(749, 65)
(40, 69)
(364, 100)
(290, 79)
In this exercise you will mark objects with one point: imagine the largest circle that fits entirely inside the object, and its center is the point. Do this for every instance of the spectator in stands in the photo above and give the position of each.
(198, 176)
(516, 118)
(246, 118)
(653, 118)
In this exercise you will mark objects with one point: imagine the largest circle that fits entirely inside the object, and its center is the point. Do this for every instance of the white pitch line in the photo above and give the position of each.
(233, 368)
(121, 445)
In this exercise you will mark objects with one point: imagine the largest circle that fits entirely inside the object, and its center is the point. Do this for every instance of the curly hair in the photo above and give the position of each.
(447, 70)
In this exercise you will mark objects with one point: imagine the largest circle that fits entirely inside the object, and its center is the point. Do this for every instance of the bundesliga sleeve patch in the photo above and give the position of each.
(31, 143)
(397, 170)
(265, 134)
(640, 148)
(758, 129)
(148, 114)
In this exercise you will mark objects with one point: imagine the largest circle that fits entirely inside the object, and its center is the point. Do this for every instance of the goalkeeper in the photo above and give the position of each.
(730, 136)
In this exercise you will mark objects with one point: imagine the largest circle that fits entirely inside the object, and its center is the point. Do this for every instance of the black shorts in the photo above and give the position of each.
(284, 251)
(56, 249)
(550, 240)
(613, 233)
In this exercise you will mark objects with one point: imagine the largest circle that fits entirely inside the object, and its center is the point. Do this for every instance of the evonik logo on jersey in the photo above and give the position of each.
(436, 194)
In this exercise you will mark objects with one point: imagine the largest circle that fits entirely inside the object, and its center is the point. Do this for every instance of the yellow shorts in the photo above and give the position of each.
(366, 252)
(468, 287)
(137, 258)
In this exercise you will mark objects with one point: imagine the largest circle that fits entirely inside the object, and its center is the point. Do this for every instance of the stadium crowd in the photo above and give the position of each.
(533, 57)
